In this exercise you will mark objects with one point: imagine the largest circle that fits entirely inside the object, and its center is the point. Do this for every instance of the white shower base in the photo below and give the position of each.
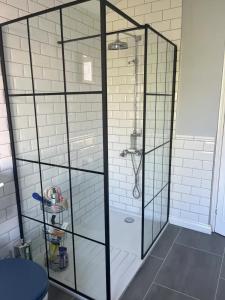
(125, 253)
(125, 245)
(125, 239)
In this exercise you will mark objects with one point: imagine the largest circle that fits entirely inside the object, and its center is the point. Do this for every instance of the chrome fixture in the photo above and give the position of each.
(133, 151)
(118, 44)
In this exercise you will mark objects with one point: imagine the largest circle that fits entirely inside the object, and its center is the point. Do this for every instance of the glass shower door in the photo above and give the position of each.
(158, 115)
(57, 98)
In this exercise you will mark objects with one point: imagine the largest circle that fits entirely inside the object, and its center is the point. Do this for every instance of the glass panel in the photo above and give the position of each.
(157, 215)
(60, 256)
(83, 57)
(169, 68)
(88, 204)
(125, 102)
(150, 125)
(29, 183)
(85, 131)
(158, 170)
(83, 65)
(24, 128)
(166, 161)
(90, 268)
(162, 66)
(160, 115)
(167, 125)
(33, 232)
(17, 59)
(148, 226)
(152, 62)
(149, 177)
(46, 52)
(164, 206)
(56, 190)
(81, 20)
(52, 132)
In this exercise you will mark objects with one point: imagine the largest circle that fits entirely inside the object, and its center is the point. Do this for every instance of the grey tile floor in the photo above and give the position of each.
(57, 294)
(184, 265)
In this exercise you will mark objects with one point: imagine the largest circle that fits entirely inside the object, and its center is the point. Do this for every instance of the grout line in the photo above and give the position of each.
(155, 256)
(178, 234)
(166, 287)
(219, 276)
(153, 281)
(202, 250)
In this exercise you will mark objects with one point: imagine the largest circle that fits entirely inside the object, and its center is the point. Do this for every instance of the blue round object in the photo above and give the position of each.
(22, 279)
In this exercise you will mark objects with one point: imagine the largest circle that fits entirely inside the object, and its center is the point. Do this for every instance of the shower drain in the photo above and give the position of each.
(129, 220)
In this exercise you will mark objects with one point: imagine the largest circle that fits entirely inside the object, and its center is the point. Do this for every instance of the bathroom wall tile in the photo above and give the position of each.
(121, 83)
(196, 175)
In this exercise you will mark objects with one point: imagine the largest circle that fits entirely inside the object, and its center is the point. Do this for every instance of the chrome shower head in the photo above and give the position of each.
(117, 44)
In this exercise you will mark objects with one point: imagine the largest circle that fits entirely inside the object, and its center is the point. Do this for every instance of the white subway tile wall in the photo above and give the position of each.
(121, 115)
(192, 165)
(121, 85)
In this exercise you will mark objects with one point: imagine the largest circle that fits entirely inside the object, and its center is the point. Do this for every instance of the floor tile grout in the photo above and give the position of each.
(166, 287)
(202, 250)
(219, 276)
(160, 258)
(153, 281)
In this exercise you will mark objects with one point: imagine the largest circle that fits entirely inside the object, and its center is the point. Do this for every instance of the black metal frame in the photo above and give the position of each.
(148, 28)
(103, 5)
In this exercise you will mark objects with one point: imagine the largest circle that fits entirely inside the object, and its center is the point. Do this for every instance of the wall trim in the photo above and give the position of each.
(205, 228)
(194, 137)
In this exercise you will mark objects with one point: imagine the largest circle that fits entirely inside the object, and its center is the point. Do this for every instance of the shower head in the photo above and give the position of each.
(117, 44)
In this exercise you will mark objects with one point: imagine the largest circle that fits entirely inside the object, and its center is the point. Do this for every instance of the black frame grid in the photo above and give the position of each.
(103, 34)
(148, 29)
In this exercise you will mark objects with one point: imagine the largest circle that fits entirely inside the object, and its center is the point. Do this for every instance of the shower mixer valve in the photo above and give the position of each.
(125, 152)
(133, 150)
(136, 163)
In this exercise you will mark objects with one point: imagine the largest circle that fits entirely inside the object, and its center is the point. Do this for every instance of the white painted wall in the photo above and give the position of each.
(203, 43)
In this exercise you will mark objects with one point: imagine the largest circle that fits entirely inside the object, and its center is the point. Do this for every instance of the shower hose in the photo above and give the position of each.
(136, 169)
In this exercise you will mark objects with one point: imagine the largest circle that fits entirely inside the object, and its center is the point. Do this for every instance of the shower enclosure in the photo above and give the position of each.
(90, 99)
